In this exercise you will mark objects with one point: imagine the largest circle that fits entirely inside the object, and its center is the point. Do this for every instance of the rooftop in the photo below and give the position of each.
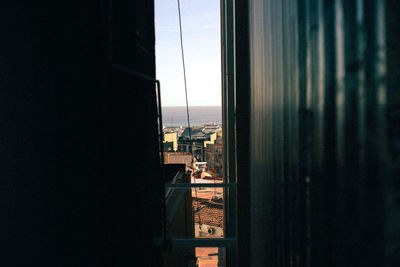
(210, 213)
(201, 132)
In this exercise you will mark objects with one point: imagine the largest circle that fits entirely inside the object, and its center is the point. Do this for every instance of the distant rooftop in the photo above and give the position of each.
(201, 132)
(210, 214)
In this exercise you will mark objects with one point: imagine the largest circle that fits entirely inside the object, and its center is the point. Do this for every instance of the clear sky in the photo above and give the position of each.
(202, 46)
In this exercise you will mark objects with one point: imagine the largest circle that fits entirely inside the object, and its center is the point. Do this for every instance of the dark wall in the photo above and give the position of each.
(78, 138)
(392, 222)
(318, 132)
(274, 126)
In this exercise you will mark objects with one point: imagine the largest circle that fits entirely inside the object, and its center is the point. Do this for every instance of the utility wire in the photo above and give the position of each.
(184, 71)
(187, 102)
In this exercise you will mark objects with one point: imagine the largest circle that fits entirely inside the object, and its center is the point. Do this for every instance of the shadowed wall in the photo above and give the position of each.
(78, 137)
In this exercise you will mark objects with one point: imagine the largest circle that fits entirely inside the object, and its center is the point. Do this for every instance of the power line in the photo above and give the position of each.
(184, 70)
(187, 102)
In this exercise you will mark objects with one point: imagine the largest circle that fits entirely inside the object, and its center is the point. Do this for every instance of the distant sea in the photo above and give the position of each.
(176, 116)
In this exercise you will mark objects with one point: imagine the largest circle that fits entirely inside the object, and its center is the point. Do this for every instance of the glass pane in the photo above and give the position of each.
(195, 212)
(179, 213)
(199, 256)
(208, 212)
(210, 257)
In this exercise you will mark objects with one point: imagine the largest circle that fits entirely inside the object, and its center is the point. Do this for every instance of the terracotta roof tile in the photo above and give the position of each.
(210, 213)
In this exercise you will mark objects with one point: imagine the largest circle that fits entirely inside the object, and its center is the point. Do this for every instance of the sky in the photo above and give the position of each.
(202, 47)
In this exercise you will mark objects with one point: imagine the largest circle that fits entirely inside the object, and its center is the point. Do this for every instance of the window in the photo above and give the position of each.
(213, 203)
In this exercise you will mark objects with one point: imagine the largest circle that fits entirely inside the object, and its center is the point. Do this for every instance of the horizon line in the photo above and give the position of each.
(192, 106)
